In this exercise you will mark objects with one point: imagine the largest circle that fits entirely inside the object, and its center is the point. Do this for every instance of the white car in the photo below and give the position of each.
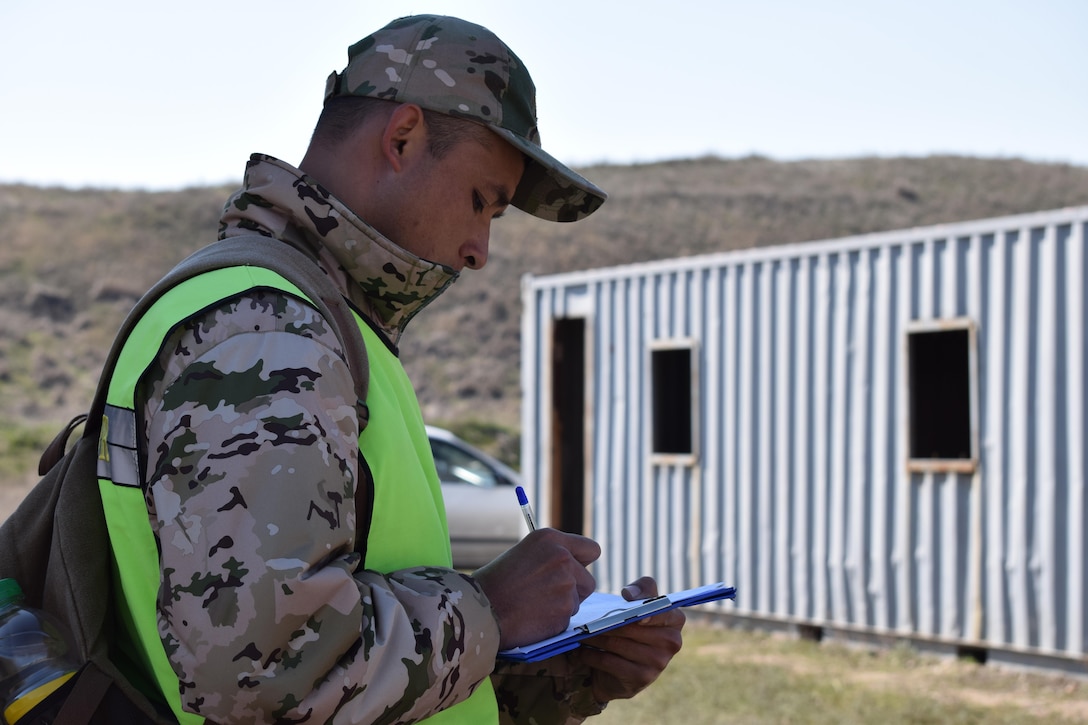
(481, 504)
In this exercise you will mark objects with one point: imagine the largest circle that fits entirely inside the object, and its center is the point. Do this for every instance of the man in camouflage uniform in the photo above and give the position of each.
(280, 599)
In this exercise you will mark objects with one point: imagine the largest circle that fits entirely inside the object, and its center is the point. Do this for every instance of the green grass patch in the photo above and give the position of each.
(733, 676)
(21, 446)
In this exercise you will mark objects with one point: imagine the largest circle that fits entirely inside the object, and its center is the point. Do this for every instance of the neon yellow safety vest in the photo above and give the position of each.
(409, 531)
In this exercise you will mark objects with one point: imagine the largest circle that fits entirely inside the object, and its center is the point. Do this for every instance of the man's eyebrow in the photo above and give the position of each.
(502, 198)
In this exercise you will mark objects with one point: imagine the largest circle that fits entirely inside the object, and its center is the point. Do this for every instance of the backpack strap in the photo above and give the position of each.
(91, 685)
(253, 250)
(59, 445)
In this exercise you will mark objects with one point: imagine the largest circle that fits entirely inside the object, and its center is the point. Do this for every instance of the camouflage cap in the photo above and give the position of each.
(455, 67)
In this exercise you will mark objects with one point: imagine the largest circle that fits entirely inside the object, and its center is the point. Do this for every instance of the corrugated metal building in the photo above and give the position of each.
(881, 435)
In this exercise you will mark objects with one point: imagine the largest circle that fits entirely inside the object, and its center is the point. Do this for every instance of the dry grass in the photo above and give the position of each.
(733, 676)
(72, 262)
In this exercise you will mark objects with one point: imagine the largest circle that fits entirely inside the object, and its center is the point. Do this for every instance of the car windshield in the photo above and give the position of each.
(457, 466)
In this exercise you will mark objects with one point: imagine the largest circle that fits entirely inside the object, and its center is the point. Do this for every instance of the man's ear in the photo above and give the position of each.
(405, 135)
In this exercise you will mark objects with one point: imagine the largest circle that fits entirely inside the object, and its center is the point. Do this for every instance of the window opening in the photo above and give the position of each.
(672, 395)
(940, 370)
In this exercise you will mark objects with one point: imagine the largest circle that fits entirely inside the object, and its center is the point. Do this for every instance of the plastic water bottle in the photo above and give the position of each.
(34, 659)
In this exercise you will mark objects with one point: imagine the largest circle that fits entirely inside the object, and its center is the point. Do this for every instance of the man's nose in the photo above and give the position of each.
(475, 252)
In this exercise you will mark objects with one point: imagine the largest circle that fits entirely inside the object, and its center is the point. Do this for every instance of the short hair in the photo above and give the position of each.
(343, 114)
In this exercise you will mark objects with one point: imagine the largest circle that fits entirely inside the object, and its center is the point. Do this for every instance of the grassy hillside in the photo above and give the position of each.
(73, 262)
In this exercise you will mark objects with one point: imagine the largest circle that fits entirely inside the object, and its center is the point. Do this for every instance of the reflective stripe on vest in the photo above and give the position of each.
(406, 534)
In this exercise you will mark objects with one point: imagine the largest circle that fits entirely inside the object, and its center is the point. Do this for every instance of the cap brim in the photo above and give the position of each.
(548, 189)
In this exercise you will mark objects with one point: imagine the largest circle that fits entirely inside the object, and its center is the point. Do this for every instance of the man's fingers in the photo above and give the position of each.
(583, 549)
(674, 618)
(642, 588)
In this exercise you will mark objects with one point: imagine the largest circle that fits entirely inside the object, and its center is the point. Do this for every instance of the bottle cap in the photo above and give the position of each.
(10, 591)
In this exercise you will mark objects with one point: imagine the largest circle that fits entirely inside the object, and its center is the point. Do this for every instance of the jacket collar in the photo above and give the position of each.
(386, 282)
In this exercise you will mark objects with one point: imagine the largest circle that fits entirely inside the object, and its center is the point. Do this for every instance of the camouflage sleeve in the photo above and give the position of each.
(263, 609)
(556, 690)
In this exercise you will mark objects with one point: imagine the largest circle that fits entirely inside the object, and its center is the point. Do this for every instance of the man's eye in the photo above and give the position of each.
(477, 201)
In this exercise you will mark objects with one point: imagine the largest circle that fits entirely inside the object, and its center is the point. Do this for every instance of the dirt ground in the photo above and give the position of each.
(943, 678)
(1043, 695)
(11, 495)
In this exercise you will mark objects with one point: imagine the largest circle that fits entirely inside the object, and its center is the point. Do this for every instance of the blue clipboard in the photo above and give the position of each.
(602, 612)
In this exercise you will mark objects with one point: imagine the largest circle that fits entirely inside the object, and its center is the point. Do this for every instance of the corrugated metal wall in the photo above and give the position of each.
(798, 492)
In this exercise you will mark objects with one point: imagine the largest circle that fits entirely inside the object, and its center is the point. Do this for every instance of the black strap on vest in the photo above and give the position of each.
(302, 270)
(254, 250)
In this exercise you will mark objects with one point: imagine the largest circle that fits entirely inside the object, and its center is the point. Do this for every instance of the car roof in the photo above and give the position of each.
(440, 433)
(446, 436)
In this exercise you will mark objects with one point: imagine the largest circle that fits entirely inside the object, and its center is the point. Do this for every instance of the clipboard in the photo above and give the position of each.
(603, 612)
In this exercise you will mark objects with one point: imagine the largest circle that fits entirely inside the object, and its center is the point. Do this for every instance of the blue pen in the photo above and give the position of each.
(526, 509)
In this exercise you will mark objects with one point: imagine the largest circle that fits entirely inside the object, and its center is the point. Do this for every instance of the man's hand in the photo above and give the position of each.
(538, 584)
(625, 660)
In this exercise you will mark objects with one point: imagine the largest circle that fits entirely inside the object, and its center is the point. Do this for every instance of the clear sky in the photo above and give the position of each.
(148, 94)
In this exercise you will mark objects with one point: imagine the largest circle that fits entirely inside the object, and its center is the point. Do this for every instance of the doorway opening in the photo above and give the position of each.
(568, 367)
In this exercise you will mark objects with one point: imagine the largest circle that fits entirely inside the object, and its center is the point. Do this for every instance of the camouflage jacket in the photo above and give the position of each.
(254, 589)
